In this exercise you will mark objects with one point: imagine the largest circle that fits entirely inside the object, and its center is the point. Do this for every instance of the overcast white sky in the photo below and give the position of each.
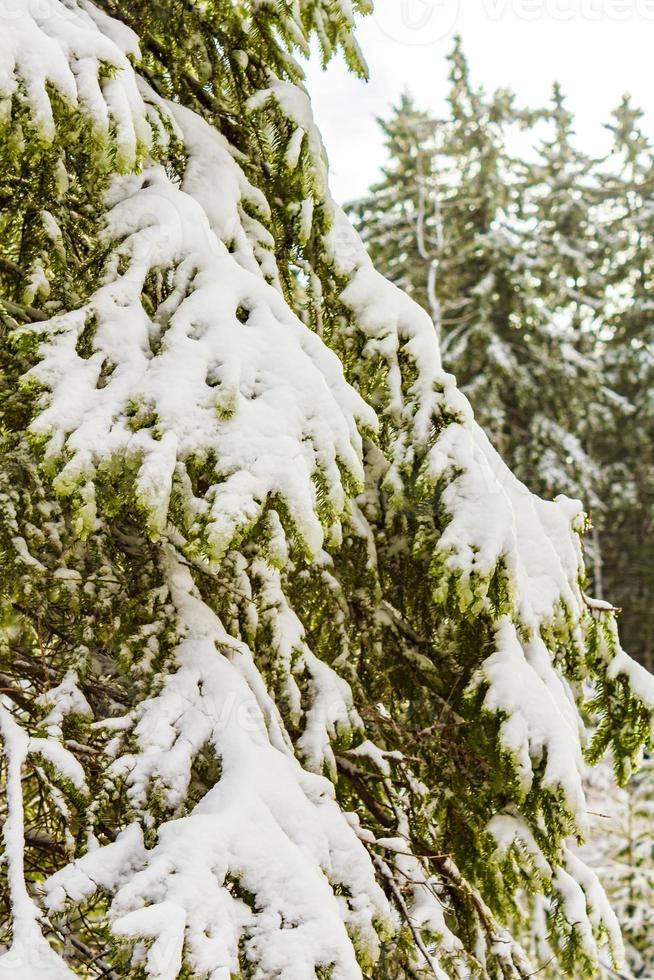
(597, 49)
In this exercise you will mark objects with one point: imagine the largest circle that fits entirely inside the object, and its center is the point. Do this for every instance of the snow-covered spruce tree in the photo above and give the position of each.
(565, 259)
(625, 443)
(620, 851)
(291, 664)
(401, 218)
(571, 257)
(437, 225)
(499, 251)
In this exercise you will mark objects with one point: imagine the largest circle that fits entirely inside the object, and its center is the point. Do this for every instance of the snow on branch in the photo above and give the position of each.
(220, 377)
(260, 854)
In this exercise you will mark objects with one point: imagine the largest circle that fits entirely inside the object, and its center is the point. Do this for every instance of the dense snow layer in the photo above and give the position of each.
(268, 828)
(224, 372)
(30, 955)
(53, 44)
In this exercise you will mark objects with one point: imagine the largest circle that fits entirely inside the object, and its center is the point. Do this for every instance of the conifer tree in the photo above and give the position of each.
(506, 257)
(628, 539)
(620, 850)
(567, 262)
(400, 220)
(293, 668)
(436, 224)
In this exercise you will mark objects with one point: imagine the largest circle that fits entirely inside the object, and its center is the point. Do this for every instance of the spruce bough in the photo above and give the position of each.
(293, 668)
